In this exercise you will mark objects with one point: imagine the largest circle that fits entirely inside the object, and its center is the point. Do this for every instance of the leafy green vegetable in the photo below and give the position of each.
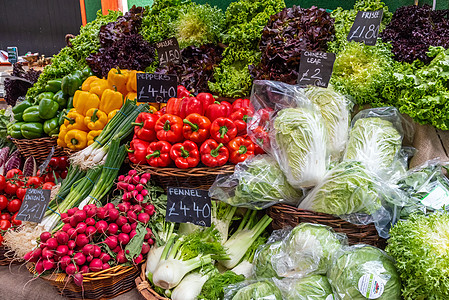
(421, 250)
(347, 188)
(255, 291)
(262, 260)
(301, 138)
(314, 287)
(361, 260)
(214, 286)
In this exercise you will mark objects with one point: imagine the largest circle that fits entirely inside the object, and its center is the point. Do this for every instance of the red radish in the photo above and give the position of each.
(127, 179)
(148, 234)
(71, 269)
(47, 253)
(71, 244)
(105, 266)
(97, 251)
(123, 238)
(65, 261)
(81, 240)
(109, 206)
(127, 196)
(138, 259)
(126, 228)
(150, 241)
(121, 258)
(102, 213)
(71, 232)
(81, 227)
(143, 181)
(105, 257)
(139, 187)
(71, 211)
(96, 265)
(132, 233)
(42, 246)
(145, 248)
(134, 194)
(122, 220)
(48, 264)
(101, 226)
(132, 172)
(117, 249)
(90, 221)
(112, 228)
(62, 250)
(149, 209)
(90, 231)
(122, 186)
(147, 176)
(52, 243)
(132, 216)
(113, 214)
(79, 258)
(62, 237)
(65, 217)
(89, 258)
(139, 198)
(135, 179)
(91, 211)
(39, 267)
(73, 222)
(111, 242)
(27, 257)
(78, 279)
(66, 227)
(84, 269)
(80, 216)
(130, 187)
(70, 253)
(121, 178)
(144, 218)
(137, 208)
(134, 226)
(37, 253)
(144, 193)
(88, 250)
(45, 236)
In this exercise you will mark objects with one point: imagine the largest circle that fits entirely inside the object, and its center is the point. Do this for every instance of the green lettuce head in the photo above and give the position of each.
(314, 287)
(262, 260)
(364, 272)
(261, 290)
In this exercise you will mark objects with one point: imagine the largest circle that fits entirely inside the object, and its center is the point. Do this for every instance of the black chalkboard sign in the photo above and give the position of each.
(34, 205)
(366, 27)
(154, 87)
(188, 206)
(168, 51)
(316, 68)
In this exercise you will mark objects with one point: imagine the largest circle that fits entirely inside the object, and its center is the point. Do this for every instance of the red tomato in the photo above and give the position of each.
(34, 181)
(2, 182)
(20, 193)
(48, 185)
(10, 174)
(54, 162)
(14, 205)
(63, 174)
(3, 202)
(1, 239)
(14, 221)
(4, 224)
(11, 188)
(49, 177)
(63, 162)
(5, 216)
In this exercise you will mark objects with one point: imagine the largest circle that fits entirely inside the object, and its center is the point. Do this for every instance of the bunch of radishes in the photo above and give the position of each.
(133, 186)
(94, 239)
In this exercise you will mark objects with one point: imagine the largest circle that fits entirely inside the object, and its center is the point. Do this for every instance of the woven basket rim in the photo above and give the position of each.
(196, 172)
(38, 140)
(143, 284)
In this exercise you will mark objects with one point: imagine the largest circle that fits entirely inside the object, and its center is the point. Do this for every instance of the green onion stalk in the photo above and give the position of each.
(79, 191)
(119, 127)
(111, 167)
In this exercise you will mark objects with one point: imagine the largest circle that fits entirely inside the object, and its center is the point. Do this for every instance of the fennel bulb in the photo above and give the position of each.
(190, 287)
(244, 268)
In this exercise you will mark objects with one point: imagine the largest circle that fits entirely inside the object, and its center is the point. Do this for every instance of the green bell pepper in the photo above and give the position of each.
(87, 72)
(51, 127)
(31, 114)
(71, 83)
(14, 130)
(61, 99)
(20, 107)
(48, 108)
(70, 103)
(18, 117)
(53, 85)
(44, 95)
(32, 130)
(61, 116)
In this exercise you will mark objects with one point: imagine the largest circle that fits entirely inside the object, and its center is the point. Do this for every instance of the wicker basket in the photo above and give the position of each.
(201, 178)
(145, 289)
(105, 284)
(285, 215)
(38, 148)
(7, 258)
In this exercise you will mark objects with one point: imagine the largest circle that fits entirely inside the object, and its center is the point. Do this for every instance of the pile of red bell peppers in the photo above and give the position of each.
(193, 129)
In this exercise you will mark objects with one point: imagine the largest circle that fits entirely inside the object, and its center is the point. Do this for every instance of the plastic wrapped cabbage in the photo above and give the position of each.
(347, 188)
(313, 287)
(308, 249)
(253, 290)
(365, 272)
(336, 111)
(376, 141)
(256, 183)
(263, 267)
(301, 145)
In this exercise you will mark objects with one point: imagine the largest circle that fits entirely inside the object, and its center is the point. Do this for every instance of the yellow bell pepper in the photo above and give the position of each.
(87, 83)
(131, 85)
(61, 136)
(131, 96)
(76, 139)
(162, 105)
(112, 114)
(111, 100)
(117, 80)
(83, 101)
(95, 119)
(98, 87)
(75, 120)
(92, 135)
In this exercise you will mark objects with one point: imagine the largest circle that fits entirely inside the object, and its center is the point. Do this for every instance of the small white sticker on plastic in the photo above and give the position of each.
(371, 286)
(330, 297)
(437, 198)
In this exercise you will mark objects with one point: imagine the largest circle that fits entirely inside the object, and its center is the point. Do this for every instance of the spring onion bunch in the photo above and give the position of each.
(119, 127)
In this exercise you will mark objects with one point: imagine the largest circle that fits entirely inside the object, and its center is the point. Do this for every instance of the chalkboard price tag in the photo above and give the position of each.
(366, 27)
(154, 87)
(34, 205)
(168, 51)
(188, 206)
(316, 68)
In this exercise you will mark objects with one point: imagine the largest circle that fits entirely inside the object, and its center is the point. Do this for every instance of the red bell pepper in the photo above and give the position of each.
(169, 128)
(137, 151)
(206, 99)
(185, 155)
(213, 154)
(144, 126)
(223, 130)
(182, 91)
(242, 103)
(158, 154)
(261, 138)
(261, 118)
(190, 105)
(241, 118)
(196, 128)
(218, 110)
(240, 149)
(258, 150)
(173, 106)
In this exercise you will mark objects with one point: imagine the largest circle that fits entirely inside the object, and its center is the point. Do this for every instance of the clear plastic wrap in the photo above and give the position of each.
(308, 249)
(256, 183)
(313, 287)
(364, 272)
(253, 290)
(336, 111)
